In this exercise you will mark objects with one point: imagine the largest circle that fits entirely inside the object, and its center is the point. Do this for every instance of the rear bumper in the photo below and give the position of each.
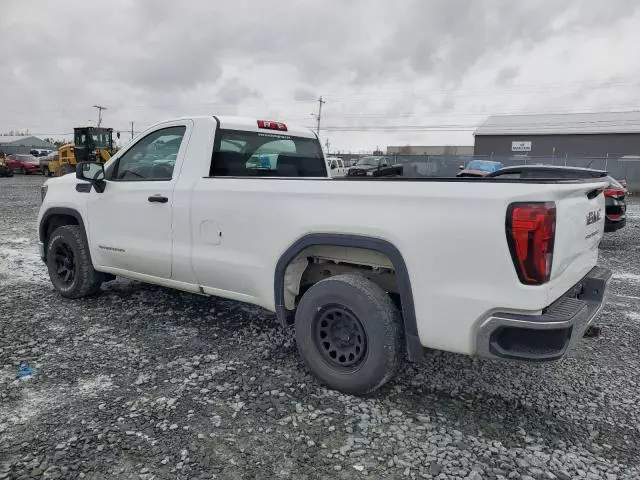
(547, 336)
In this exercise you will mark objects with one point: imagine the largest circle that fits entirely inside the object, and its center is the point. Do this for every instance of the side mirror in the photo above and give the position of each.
(461, 167)
(92, 172)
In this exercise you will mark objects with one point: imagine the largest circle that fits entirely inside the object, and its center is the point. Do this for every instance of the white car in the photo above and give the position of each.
(337, 168)
(370, 270)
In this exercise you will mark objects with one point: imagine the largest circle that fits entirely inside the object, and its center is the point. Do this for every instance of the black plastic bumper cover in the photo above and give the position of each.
(549, 335)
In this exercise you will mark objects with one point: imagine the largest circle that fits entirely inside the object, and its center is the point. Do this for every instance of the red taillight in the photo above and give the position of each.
(531, 229)
(614, 193)
(269, 125)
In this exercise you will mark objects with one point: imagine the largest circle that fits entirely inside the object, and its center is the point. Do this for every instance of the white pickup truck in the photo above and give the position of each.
(370, 270)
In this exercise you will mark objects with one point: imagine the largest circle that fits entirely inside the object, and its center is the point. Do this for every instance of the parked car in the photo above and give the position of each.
(374, 166)
(23, 163)
(40, 152)
(47, 171)
(336, 167)
(479, 168)
(615, 193)
(356, 265)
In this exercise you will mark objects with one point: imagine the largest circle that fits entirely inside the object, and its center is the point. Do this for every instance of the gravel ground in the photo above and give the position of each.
(143, 382)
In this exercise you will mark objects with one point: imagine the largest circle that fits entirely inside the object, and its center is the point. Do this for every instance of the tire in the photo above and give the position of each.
(82, 281)
(327, 335)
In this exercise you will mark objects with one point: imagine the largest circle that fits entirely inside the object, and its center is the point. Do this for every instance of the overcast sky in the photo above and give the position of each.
(403, 72)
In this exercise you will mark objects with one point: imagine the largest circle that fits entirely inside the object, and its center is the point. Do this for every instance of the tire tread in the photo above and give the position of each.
(386, 311)
(90, 279)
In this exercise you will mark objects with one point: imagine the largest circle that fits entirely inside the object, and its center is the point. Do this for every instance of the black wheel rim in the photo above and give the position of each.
(65, 264)
(339, 336)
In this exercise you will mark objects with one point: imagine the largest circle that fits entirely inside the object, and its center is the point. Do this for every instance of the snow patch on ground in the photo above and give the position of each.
(57, 328)
(32, 404)
(629, 277)
(38, 401)
(633, 316)
(93, 386)
(633, 210)
(17, 241)
(21, 264)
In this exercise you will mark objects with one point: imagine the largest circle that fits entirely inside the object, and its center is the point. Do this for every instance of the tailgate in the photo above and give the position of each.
(580, 215)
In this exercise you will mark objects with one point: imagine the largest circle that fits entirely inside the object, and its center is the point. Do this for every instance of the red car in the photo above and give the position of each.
(22, 163)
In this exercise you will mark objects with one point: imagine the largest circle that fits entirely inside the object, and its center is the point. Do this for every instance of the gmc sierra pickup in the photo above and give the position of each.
(370, 270)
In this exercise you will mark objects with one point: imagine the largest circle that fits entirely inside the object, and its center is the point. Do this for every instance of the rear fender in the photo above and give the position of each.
(414, 347)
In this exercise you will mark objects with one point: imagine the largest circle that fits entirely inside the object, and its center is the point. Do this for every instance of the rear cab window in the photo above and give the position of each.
(257, 154)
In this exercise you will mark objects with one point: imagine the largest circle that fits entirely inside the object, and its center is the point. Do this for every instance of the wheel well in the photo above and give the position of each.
(318, 256)
(322, 261)
(53, 221)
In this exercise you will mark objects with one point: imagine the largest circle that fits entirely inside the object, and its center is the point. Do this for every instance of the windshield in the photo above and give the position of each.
(484, 166)
(240, 153)
(99, 139)
(369, 161)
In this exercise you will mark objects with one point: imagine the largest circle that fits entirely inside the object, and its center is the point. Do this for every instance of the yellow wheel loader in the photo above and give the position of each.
(90, 144)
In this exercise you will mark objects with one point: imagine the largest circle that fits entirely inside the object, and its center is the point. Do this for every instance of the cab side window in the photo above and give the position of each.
(152, 158)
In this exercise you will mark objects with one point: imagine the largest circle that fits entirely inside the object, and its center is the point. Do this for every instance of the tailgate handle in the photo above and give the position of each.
(594, 193)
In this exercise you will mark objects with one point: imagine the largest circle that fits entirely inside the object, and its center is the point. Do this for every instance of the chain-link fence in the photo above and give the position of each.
(448, 166)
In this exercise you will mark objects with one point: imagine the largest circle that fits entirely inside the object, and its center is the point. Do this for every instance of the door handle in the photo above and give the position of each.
(158, 199)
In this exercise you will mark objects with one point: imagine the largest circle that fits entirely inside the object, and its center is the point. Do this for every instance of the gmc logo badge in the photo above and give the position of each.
(593, 217)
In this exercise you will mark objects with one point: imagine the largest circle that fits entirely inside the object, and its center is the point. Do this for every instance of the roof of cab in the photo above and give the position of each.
(251, 124)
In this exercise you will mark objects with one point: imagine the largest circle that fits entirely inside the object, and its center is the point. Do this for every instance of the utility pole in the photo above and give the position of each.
(327, 143)
(320, 102)
(131, 129)
(100, 109)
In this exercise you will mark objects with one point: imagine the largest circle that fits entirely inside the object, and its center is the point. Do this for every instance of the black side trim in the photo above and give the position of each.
(83, 187)
(414, 347)
(44, 223)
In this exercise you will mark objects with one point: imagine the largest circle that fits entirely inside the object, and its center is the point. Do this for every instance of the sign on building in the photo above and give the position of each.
(520, 146)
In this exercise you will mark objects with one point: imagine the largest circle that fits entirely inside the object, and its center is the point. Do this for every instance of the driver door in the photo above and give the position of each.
(130, 223)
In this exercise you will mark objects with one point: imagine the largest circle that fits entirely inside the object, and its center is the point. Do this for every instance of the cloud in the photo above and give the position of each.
(234, 92)
(302, 94)
(153, 59)
(506, 75)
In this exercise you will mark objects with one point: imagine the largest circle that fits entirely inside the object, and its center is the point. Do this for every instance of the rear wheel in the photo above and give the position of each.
(69, 263)
(349, 334)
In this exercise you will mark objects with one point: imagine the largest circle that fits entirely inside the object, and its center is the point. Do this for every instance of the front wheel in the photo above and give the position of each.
(349, 334)
(69, 263)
